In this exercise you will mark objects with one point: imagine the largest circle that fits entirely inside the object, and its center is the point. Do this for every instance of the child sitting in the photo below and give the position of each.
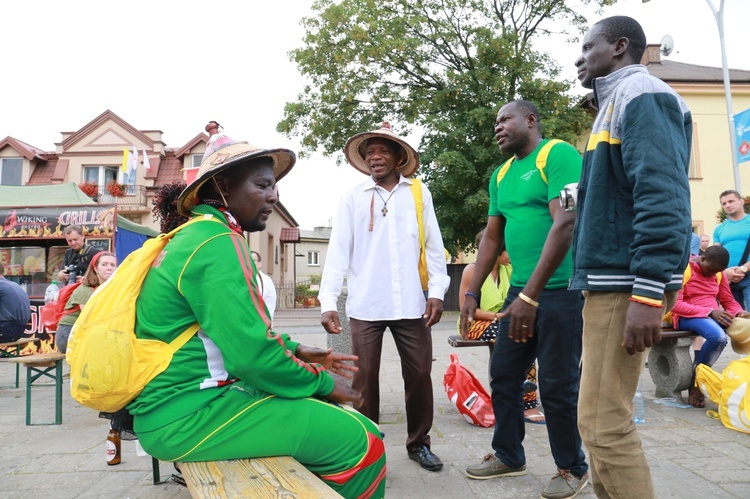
(697, 308)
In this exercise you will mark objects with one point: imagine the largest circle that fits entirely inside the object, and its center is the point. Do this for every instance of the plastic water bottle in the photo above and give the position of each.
(639, 405)
(50, 294)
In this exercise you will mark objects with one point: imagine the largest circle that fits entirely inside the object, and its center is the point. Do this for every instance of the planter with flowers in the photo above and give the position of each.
(115, 189)
(90, 189)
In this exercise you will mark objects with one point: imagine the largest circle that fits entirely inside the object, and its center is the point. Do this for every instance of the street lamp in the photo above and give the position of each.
(719, 17)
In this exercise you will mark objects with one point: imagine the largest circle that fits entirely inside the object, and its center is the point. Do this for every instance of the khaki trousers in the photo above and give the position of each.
(609, 379)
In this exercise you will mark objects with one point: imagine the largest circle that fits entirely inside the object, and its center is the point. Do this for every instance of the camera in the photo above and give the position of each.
(569, 197)
(72, 272)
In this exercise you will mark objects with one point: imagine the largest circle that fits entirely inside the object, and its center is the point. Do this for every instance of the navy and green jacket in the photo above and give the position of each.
(633, 228)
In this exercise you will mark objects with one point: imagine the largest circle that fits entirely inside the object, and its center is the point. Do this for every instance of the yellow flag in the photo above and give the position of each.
(125, 157)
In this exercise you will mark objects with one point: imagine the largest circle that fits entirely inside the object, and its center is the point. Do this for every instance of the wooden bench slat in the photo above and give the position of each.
(269, 477)
(671, 335)
(38, 359)
(20, 341)
(457, 342)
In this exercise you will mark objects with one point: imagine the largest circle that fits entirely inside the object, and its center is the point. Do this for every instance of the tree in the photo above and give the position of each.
(442, 68)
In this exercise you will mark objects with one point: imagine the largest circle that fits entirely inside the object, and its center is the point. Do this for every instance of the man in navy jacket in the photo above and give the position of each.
(631, 242)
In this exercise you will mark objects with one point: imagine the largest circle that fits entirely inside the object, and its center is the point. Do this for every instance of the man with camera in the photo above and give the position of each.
(540, 318)
(77, 257)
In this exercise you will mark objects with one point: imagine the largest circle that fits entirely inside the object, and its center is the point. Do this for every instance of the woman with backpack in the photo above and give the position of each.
(102, 266)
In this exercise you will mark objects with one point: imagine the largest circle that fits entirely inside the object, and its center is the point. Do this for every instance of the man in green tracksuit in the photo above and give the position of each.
(237, 389)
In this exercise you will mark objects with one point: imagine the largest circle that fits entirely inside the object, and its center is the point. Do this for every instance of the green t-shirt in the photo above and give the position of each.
(522, 197)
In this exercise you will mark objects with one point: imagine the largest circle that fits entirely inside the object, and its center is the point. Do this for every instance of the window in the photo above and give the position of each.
(313, 258)
(99, 175)
(11, 171)
(197, 159)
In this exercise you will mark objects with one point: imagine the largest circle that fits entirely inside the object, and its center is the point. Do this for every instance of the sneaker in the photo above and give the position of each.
(564, 484)
(492, 467)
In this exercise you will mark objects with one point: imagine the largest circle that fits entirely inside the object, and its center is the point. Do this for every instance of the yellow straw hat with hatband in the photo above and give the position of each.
(223, 153)
(354, 150)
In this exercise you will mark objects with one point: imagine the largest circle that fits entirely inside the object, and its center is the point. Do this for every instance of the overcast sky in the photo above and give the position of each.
(174, 66)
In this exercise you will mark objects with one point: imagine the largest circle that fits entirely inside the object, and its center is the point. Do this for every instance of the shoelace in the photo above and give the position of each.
(566, 474)
(488, 457)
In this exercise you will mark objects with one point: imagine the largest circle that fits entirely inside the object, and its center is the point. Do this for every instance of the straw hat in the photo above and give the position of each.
(223, 153)
(354, 150)
(739, 333)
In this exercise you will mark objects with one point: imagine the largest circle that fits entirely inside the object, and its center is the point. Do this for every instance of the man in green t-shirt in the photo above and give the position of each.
(541, 318)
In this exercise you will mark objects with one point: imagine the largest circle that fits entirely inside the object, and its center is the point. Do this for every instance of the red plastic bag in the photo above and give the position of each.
(468, 395)
(51, 313)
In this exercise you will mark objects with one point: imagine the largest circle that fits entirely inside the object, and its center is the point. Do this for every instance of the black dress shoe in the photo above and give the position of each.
(426, 458)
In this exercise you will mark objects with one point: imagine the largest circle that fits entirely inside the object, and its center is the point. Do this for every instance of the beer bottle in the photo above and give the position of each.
(113, 447)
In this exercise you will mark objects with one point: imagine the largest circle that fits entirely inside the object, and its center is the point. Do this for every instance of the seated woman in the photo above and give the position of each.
(102, 266)
(485, 325)
(697, 308)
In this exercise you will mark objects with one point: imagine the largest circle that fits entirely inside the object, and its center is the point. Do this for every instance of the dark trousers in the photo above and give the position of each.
(414, 344)
(557, 346)
(11, 331)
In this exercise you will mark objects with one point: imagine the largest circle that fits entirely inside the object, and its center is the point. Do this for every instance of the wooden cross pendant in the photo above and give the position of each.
(385, 211)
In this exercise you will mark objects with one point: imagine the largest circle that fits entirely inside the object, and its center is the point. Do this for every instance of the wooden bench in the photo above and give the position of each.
(13, 349)
(268, 477)
(456, 341)
(43, 365)
(669, 363)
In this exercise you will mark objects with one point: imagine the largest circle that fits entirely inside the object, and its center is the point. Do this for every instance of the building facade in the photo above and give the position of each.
(92, 158)
(711, 169)
(311, 252)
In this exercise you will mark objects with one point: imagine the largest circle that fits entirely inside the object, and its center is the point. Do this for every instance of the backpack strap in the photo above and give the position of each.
(689, 272)
(183, 338)
(416, 192)
(541, 161)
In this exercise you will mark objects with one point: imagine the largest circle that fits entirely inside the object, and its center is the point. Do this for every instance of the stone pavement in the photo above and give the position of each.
(691, 455)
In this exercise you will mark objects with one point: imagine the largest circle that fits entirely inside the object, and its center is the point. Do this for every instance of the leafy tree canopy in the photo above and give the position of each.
(441, 68)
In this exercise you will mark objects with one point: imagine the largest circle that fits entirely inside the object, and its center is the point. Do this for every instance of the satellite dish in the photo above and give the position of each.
(667, 45)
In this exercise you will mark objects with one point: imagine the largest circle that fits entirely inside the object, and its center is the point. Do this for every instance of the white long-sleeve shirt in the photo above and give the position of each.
(268, 291)
(382, 265)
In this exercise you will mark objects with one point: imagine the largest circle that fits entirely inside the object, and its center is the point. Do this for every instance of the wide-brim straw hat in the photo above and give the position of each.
(223, 153)
(739, 333)
(354, 150)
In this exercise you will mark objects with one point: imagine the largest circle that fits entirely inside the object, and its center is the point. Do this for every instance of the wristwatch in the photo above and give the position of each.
(743, 268)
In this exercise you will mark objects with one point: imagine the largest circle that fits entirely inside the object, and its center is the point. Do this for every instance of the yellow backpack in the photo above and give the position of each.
(729, 391)
(109, 365)
(541, 161)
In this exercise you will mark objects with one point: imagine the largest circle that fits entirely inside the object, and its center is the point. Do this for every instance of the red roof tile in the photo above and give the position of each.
(170, 169)
(289, 235)
(43, 173)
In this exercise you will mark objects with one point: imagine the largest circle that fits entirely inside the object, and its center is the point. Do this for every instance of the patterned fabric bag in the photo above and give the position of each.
(483, 330)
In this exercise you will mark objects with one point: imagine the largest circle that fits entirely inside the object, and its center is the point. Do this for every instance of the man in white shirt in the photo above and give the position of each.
(375, 243)
(267, 288)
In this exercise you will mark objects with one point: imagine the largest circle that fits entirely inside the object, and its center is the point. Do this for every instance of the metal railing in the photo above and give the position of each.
(134, 195)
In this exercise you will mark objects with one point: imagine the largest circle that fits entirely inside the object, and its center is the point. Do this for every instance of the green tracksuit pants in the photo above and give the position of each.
(340, 445)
